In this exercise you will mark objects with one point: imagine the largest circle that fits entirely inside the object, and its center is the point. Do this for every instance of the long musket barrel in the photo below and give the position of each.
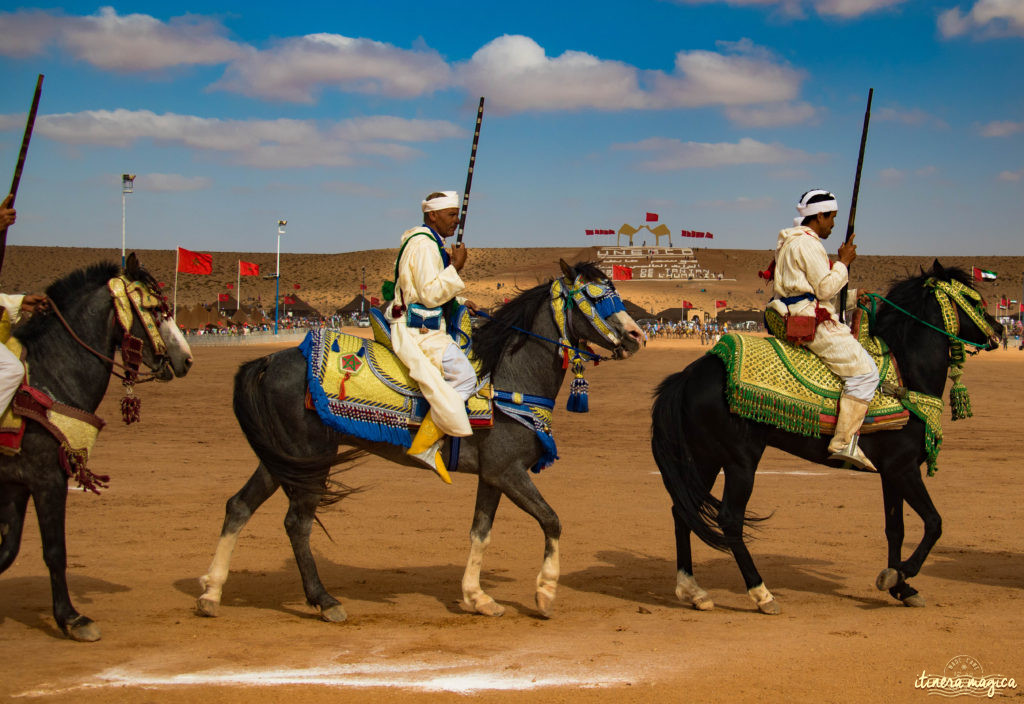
(21, 159)
(853, 200)
(469, 175)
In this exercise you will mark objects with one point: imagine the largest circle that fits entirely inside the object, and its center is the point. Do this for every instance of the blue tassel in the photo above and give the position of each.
(578, 401)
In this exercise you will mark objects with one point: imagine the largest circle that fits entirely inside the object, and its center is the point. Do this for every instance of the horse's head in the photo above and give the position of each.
(164, 351)
(963, 310)
(594, 310)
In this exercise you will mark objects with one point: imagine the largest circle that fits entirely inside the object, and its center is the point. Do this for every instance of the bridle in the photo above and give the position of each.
(131, 299)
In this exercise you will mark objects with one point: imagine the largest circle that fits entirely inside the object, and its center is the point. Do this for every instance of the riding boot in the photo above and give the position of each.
(426, 447)
(844, 443)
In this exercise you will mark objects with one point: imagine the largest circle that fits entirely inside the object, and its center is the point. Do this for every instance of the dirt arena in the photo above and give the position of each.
(399, 548)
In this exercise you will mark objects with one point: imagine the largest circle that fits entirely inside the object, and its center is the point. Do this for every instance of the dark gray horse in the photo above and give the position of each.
(64, 369)
(296, 450)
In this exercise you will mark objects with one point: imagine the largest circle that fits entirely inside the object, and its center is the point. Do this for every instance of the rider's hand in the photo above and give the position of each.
(848, 252)
(7, 214)
(458, 255)
(472, 306)
(35, 302)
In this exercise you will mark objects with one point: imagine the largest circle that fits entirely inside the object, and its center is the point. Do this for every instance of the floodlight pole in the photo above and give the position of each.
(127, 186)
(277, 275)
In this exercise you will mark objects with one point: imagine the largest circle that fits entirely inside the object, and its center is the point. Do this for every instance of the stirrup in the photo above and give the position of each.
(853, 455)
(431, 457)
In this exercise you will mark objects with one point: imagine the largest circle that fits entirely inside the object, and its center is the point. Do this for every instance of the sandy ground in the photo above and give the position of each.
(399, 548)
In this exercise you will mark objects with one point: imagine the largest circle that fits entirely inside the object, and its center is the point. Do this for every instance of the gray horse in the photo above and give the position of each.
(296, 450)
(71, 373)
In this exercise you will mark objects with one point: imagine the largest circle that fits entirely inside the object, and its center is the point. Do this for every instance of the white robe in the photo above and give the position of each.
(423, 278)
(802, 266)
(11, 369)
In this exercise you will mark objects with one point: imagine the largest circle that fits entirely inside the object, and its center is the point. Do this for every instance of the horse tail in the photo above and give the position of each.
(679, 471)
(264, 428)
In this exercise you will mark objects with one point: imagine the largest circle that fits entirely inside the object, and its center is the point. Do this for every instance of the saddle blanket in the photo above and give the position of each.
(360, 388)
(774, 382)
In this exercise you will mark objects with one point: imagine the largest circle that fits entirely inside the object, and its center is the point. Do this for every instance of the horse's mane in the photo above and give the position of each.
(65, 291)
(912, 295)
(495, 336)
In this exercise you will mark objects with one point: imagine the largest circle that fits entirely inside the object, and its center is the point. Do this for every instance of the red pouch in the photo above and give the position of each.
(800, 328)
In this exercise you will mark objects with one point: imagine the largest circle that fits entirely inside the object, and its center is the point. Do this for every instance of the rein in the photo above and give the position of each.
(872, 312)
(558, 343)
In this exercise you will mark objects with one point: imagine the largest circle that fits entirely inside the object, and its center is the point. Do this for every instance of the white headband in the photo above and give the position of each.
(822, 206)
(449, 199)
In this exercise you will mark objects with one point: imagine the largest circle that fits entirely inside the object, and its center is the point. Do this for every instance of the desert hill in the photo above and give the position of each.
(328, 281)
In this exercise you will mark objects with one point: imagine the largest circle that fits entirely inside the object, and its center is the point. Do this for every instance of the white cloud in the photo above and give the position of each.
(297, 67)
(843, 9)
(171, 182)
(742, 203)
(26, 32)
(987, 18)
(260, 143)
(1001, 128)
(1011, 175)
(892, 175)
(674, 154)
(777, 115)
(913, 117)
(516, 75)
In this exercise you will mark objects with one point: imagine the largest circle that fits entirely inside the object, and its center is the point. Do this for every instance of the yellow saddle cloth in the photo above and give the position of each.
(360, 388)
(771, 381)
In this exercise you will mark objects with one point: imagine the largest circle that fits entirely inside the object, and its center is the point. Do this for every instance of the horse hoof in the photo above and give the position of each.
(335, 614)
(83, 630)
(487, 606)
(207, 607)
(703, 604)
(770, 607)
(545, 604)
(887, 579)
(915, 601)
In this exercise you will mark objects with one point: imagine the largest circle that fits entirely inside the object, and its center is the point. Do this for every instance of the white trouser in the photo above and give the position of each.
(862, 386)
(11, 374)
(458, 371)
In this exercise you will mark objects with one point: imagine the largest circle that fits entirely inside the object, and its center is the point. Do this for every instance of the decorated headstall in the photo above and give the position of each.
(596, 302)
(136, 299)
(952, 295)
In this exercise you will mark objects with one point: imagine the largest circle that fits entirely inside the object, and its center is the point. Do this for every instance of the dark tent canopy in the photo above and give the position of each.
(357, 304)
(755, 315)
(634, 311)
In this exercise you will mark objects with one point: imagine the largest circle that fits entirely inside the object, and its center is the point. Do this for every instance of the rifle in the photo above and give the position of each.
(21, 160)
(853, 201)
(469, 175)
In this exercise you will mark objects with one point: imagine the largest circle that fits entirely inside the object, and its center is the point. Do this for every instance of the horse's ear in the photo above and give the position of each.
(567, 271)
(937, 269)
(131, 267)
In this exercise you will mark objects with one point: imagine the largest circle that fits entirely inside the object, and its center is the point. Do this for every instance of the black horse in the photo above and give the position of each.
(66, 370)
(296, 450)
(695, 436)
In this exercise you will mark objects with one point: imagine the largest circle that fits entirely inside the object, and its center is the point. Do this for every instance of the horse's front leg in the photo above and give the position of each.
(473, 595)
(910, 487)
(515, 483)
(50, 501)
(13, 501)
(239, 510)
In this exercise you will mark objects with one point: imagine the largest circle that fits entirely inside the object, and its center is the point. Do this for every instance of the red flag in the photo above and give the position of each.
(296, 286)
(652, 217)
(160, 284)
(223, 297)
(288, 300)
(687, 304)
(362, 287)
(700, 234)
(621, 273)
(720, 304)
(194, 262)
(589, 232)
(248, 269)
(374, 301)
(229, 285)
(709, 235)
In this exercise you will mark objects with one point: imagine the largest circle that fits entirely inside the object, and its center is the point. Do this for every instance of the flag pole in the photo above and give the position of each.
(238, 287)
(174, 308)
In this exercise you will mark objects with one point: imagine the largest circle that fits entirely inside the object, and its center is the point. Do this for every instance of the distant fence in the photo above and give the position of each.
(252, 338)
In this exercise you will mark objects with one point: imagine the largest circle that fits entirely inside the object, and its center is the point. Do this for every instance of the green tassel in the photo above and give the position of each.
(959, 401)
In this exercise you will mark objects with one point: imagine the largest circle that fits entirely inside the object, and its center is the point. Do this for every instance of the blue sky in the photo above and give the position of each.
(340, 117)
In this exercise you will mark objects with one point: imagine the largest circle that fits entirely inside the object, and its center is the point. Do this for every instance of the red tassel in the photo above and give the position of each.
(130, 407)
(341, 391)
(565, 358)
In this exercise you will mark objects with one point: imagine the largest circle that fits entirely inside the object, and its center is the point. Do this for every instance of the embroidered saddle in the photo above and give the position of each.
(360, 388)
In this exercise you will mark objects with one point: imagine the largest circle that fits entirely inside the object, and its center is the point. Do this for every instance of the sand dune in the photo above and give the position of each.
(328, 281)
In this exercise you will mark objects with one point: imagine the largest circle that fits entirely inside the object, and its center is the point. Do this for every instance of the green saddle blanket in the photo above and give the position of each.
(774, 382)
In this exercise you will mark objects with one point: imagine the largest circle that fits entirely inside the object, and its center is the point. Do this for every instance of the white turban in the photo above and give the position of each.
(806, 209)
(448, 199)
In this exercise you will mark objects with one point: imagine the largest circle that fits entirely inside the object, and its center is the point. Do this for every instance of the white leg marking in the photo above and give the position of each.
(213, 581)
(766, 603)
(473, 595)
(687, 590)
(547, 580)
